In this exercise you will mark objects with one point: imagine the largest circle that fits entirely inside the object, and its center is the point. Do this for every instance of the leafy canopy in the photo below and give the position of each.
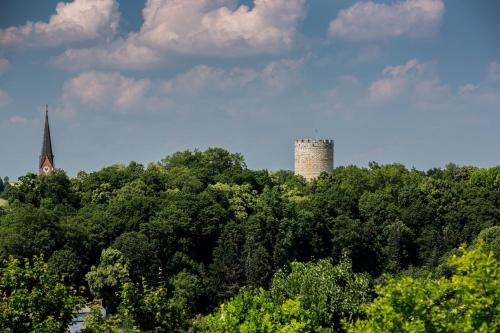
(34, 300)
(253, 311)
(469, 301)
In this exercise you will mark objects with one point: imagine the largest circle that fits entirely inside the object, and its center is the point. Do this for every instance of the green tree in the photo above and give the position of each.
(469, 301)
(34, 300)
(95, 322)
(239, 199)
(351, 237)
(226, 271)
(106, 280)
(330, 293)
(132, 205)
(253, 311)
(148, 308)
(52, 190)
(198, 226)
(28, 231)
(399, 246)
(489, 239)
(67, 264)
(139, 253)
(257, 264)
(153, 309)
(6, 186)
(183, 178)
(210, 166)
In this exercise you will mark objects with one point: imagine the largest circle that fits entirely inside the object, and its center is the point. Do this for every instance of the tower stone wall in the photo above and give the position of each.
(312, 157)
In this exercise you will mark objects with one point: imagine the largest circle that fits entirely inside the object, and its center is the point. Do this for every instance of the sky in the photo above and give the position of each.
(415, 82)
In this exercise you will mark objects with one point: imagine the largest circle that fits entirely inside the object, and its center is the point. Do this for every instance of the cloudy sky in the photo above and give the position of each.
(415, 81)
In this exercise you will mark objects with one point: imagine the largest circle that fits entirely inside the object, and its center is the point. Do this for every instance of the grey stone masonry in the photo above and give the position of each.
(312, 157)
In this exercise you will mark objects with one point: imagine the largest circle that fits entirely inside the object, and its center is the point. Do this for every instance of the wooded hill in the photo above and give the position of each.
(163, 246)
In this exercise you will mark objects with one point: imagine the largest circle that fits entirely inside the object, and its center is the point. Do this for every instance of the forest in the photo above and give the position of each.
(198, 242)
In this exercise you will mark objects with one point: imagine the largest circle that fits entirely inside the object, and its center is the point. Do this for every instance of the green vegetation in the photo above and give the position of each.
(253, 311)
(330, 293)
(469, 301)
(33, 300)
(4, 185)
(4, 203)
(199, 243)
(311, 297)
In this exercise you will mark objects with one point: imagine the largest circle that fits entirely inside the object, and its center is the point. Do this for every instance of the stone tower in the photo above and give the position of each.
(46, 164)
(312, 157)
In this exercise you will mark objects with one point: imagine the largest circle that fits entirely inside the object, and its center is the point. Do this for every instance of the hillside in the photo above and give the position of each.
(184, 243)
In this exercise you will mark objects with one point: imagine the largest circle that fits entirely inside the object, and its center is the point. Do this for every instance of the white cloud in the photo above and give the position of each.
(467, 88)
(273, 78)
(277, 76)
(411, 68)
(100, 89)
(115, 91)
(431, 94)
(4, 65)
(76, 21)
(17, 120)
(414, 83)
(198, 27)
(483, 97)
(396, 79)
(191, 26)
(203, 78)
(484, 93)
(121, 54)
(494, 71)
(369, 20)
(4, 98)
(385, 89)
(418, 84)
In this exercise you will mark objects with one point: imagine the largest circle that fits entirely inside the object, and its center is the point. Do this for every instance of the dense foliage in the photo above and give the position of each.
(469, 301)
(254, 311)
(311, 297)
(3, 187)
(33, 300)
(330, 293)
(162, 244)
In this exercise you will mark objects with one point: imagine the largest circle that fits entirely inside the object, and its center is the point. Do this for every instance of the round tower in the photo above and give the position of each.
(312, 157)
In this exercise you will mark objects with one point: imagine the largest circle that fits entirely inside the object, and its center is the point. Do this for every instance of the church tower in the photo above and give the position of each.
(46, 165)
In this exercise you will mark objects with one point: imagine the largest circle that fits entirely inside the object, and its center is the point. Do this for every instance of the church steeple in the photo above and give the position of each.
(46, 165)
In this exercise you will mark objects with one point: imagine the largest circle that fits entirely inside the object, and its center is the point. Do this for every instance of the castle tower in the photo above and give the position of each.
(312, 157)
(46, 165)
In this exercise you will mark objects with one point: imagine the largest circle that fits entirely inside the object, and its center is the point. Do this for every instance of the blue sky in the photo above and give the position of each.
(415, 81)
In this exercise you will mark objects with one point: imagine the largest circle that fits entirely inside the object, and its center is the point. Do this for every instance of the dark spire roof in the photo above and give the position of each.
(47, 144)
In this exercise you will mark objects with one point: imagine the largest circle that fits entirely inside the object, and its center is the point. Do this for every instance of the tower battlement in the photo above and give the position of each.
(318, 141)
(313, 156)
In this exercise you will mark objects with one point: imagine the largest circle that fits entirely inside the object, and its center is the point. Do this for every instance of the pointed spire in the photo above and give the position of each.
(46, 153)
